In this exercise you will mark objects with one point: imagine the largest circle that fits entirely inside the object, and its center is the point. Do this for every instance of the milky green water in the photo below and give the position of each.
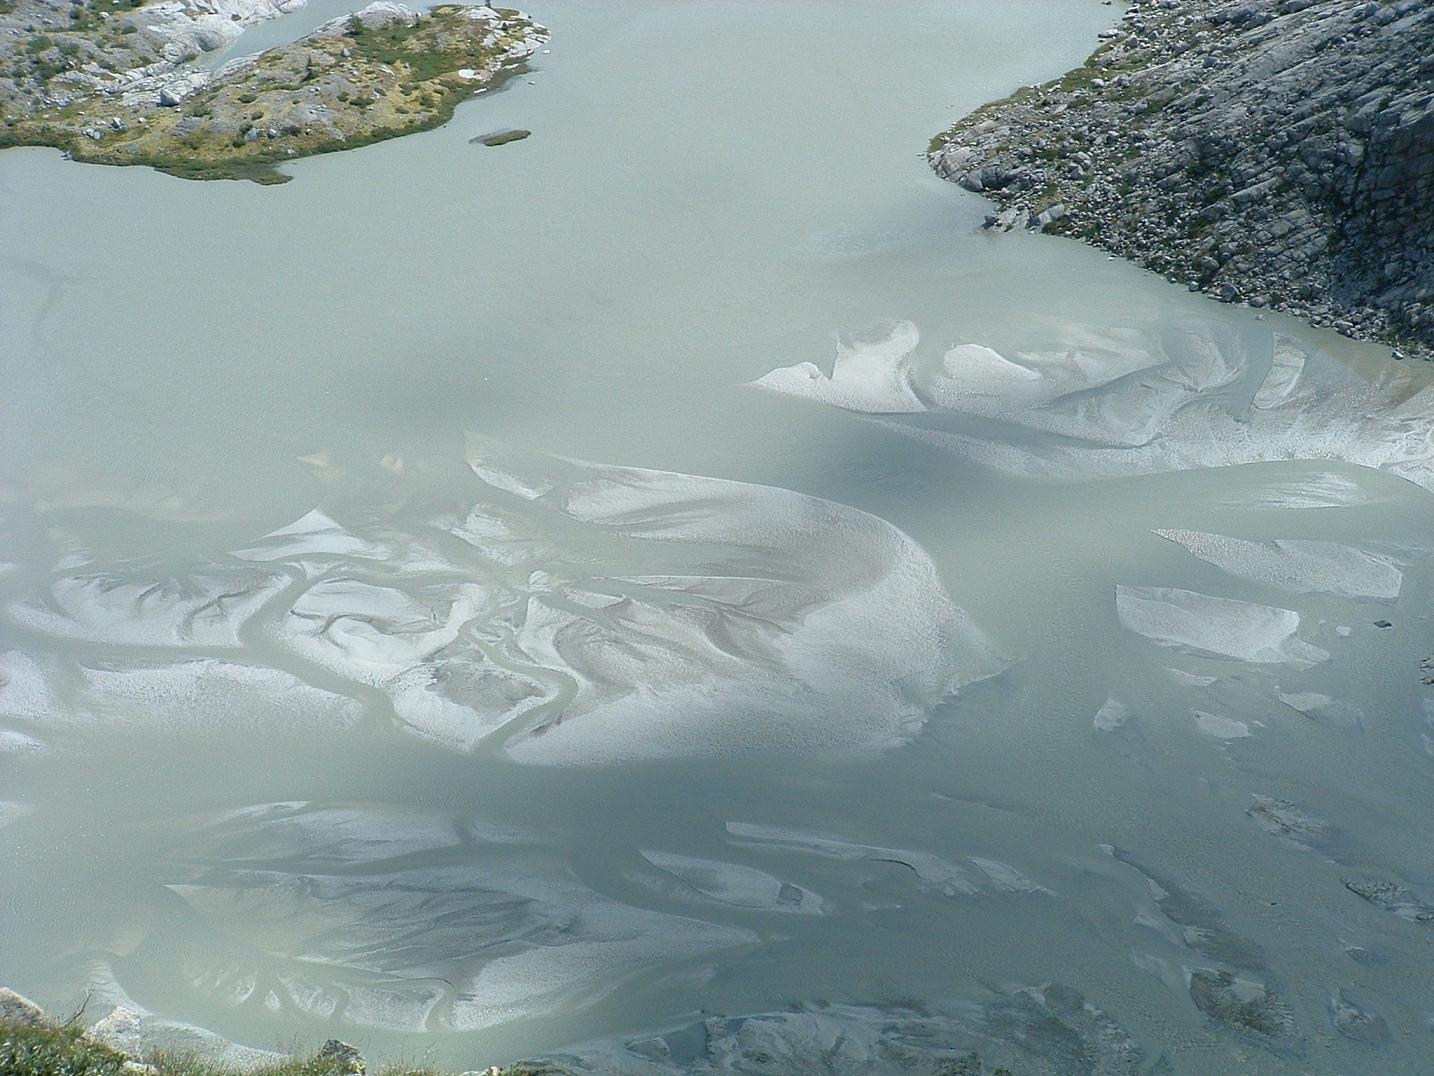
(417, 630)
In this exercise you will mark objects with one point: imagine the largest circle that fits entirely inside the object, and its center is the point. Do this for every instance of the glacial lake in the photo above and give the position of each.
(418, 628)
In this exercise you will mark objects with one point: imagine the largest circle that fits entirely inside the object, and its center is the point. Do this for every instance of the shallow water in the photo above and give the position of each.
(419, 630)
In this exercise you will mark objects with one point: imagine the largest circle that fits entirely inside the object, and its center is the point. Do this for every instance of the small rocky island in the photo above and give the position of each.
(1275, 152)
(116, 82)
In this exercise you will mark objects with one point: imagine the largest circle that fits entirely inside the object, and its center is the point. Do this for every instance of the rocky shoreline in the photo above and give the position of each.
(115, 82)
(1274, 152)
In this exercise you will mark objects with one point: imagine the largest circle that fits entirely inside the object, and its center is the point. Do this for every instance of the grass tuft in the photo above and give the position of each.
(45, 1050)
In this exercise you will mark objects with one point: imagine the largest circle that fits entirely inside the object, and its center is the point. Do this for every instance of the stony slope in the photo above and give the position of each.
(1278, 152)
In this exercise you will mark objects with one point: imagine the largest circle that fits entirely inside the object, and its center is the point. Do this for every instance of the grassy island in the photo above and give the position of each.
(105, 91)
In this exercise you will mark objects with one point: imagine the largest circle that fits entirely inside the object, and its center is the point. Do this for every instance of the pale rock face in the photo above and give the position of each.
(18, 1009)
(167, 90)
(122, 1029)
(376, 16)
(193, 27)
(132, 1029)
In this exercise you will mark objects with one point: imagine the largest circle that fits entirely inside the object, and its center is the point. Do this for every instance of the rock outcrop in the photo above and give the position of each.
(18, 1009)
(1276, 152)
(57, 53)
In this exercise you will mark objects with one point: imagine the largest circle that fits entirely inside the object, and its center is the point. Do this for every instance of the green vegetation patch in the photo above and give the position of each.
(44, 1050)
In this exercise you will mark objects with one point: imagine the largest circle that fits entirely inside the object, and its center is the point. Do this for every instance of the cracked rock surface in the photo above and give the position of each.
(1275, 152)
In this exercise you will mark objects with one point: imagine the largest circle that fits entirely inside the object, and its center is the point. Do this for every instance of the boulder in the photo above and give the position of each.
(18, 1009)
(122, 1029)
(347, 1056)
